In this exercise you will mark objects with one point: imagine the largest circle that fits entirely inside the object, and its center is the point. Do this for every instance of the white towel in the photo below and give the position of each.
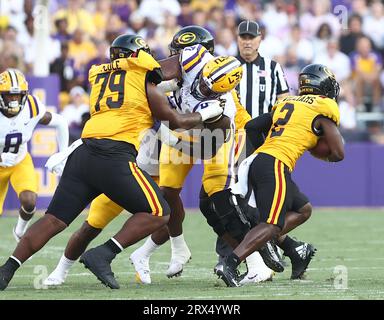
(56, 162)
(241, 186)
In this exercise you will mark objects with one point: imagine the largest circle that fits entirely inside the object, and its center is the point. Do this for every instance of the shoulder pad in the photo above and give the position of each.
(35, 107)
(191, 56)
(145, 61)
(329, 108)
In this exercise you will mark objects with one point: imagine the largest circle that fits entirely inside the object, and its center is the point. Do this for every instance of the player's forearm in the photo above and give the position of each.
(170, 68)
(185, 121)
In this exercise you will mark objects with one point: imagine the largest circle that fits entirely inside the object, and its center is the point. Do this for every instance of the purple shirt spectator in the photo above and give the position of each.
(122, 10)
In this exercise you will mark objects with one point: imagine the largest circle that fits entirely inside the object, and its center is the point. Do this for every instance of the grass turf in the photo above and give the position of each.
(347, 238)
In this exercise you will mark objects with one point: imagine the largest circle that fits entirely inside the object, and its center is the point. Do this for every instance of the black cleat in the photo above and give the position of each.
(98, 261)
(5, 277)
(300, 257)
(271, 257)
(227, 274)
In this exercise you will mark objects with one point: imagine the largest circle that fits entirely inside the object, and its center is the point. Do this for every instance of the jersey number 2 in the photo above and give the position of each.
(118, 88)
(277, 129)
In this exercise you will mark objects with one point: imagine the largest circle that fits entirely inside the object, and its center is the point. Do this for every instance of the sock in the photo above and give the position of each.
(114, 246)
(255, 261)
(233, 260)
(148, 247)
(12, 264)
(21, 226)
(288, 244)
(177, 243)
(64, 265)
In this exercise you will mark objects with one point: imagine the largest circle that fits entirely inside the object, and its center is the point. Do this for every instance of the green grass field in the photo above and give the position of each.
(350, 238)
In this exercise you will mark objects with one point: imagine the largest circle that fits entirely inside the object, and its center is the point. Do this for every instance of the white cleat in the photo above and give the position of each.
(55, 279)
(257, 276)
(141, 264)
(177, 263)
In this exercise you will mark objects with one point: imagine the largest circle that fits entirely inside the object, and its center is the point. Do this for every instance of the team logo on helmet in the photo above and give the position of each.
(186, 38)
(140, 42)
(329, 72)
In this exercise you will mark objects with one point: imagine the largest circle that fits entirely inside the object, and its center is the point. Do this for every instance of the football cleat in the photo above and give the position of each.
(178, 260)
(300, 257)
(271, 258)
(55, 279)
(98, 261)
(229, 275)
(257, 276)
(141, 265)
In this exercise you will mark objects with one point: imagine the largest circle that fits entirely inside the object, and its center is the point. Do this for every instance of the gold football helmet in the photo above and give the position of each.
(220, 75)
(13, 92)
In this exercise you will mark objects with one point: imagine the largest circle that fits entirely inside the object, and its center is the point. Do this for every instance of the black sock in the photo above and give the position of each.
(288, 244)
(113, 246)
(233, 260)
(11, 265)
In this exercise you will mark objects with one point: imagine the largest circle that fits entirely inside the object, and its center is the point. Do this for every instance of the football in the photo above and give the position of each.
(321, 150)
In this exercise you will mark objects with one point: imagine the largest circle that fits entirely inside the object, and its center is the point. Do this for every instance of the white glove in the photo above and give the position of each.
(8, 159)
(213, 109)
(168, 86)
(56, 163)
(166, 136)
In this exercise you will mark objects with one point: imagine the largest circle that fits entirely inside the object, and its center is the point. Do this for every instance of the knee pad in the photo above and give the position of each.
(253, 215)
(209, 213)
(230, 214)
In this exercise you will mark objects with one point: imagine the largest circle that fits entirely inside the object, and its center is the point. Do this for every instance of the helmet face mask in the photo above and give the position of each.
(200, 89)
(13, 92)
(11, 104)
(218, 76)
(127, 45)
(319, 80)
(189, 36)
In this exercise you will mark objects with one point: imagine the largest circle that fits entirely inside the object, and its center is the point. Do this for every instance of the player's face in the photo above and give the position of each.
(248, 44)
(205, 91)
(13, 103)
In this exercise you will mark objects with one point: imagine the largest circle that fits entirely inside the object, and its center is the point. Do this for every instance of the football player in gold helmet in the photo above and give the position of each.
(20, 112)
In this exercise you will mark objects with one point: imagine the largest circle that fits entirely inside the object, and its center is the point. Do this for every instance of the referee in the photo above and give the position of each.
(263, 80)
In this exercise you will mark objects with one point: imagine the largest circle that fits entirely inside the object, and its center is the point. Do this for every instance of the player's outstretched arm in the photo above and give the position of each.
(333, 138)
(171, 68)
(159, 106)
(61, 125)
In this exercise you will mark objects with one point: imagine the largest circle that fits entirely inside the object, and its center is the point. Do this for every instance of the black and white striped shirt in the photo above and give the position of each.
(263, 80)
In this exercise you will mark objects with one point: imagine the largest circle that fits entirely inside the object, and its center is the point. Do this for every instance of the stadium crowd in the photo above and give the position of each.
(345, 35)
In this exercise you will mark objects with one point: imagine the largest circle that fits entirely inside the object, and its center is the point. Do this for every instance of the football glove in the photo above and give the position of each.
(213, 110)
(8, 159)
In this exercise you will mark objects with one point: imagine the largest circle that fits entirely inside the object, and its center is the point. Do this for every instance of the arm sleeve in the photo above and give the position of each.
(258, 128)
(155, 76)
(61, 126)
